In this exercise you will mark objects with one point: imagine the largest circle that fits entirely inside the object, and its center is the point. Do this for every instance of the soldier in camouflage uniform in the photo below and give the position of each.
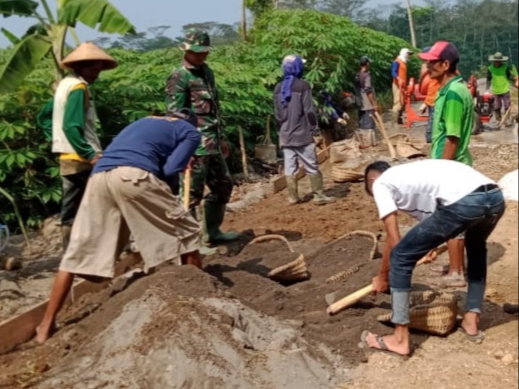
(193, 86)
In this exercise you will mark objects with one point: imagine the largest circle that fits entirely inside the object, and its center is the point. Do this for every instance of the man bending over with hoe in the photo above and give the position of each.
(447, 197)
(128, 193)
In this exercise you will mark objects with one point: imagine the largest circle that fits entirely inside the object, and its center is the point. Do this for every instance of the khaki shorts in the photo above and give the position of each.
(123, 201)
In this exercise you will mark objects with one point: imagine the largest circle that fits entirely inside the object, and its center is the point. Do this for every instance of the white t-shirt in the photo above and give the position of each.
(417, 187)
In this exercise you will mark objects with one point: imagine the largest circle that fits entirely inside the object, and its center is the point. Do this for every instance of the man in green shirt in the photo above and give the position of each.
(499, 75)
(452, 128)
(69, 122)
(193, 86)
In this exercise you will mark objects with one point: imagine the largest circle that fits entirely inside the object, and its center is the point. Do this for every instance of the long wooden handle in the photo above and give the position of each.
(382, 129)
(187, 187)
(355, 297)
(349, 300)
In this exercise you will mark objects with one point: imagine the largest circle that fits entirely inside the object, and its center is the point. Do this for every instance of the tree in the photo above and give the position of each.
(49, 34)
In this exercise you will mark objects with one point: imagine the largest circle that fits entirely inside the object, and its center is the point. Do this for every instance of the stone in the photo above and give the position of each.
(508, 359)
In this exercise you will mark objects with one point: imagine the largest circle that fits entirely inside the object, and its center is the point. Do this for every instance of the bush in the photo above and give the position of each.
(246, 73)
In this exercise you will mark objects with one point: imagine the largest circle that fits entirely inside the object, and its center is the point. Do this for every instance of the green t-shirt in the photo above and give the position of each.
(500, 78)
(453, 116)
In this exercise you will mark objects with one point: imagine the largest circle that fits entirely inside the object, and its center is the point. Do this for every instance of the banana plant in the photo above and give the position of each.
(48, 36)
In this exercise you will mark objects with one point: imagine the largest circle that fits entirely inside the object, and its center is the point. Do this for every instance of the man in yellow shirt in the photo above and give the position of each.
(499, 76)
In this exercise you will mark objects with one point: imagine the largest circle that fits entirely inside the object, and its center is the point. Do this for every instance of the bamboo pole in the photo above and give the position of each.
(411, 23)
(243, 154)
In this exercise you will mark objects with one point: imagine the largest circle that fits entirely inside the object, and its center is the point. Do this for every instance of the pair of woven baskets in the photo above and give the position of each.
(432, 312)
(293, 271)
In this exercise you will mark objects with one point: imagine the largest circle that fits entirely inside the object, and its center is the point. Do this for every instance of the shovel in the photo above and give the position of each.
(345, 300)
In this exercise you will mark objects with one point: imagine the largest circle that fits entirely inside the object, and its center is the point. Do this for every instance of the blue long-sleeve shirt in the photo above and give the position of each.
(155, 144)
(394, 69)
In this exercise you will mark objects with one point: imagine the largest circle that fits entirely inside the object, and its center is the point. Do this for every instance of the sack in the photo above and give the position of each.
(343, 150)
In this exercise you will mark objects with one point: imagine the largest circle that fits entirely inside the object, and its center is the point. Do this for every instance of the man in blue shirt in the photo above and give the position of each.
(129, 192)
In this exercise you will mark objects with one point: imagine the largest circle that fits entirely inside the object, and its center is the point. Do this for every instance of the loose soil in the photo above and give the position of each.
(233, 327)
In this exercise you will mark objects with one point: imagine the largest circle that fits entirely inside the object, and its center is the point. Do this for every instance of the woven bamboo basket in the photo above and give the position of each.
(436, 313)
(271, 237)
(344, 275)
(293, 271)
(345, 175)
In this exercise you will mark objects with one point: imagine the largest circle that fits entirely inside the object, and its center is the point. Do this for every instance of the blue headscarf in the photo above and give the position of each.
(293, 67)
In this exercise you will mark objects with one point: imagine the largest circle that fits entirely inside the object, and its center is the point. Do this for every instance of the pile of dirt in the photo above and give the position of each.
(227, 327)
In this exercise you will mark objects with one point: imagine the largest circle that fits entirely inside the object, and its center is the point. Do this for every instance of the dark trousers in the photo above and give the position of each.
(73, 189)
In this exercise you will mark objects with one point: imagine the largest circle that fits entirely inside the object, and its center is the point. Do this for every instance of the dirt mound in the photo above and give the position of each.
(227, 327)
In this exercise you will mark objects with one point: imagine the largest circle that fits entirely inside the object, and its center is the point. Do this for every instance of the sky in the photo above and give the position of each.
(152, 13)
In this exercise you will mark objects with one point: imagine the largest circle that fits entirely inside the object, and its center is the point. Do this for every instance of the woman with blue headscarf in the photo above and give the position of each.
(295, 113)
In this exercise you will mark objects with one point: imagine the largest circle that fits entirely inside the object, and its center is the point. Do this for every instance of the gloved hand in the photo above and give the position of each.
(345, 116)
(342, 122)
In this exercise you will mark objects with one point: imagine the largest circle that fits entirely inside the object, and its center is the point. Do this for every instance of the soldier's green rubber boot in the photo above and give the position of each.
(214, 214)
(316, 181)
(293, 197)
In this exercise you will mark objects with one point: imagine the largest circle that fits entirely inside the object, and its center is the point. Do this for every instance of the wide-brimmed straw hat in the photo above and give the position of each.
(88, 51)
(498, 57)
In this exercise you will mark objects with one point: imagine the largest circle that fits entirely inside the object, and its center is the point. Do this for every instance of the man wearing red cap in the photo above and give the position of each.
(452, 128)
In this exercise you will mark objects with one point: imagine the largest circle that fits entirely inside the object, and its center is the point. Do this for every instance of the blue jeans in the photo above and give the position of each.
(429, 128)
(477, 214)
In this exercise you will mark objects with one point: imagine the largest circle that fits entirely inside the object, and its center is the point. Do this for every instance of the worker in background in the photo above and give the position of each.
(128, 193)
(295, 112)
(499, 76)
(193, 86)
(452, 129)
(330, 116)
(367, 103)
(69, 121)
(447, 197)
(399, 74)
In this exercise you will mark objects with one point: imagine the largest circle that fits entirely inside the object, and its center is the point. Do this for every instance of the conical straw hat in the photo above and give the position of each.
(88, 51)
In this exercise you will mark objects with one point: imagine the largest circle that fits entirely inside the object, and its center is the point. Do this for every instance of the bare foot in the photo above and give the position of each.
(43, 333)
(387, 343)
(470, 323)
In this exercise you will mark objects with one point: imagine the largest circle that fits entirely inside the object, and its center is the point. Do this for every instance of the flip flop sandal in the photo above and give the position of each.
(451, 282)
(383, 348)
(477, 338)
(441, 269)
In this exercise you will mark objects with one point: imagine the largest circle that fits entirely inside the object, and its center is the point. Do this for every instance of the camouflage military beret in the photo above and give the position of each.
(197, 41)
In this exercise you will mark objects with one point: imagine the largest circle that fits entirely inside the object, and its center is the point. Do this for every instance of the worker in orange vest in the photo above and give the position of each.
(431, 86)
(399, 73)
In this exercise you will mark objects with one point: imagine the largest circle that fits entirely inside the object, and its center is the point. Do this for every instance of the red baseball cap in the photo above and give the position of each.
(441, 51)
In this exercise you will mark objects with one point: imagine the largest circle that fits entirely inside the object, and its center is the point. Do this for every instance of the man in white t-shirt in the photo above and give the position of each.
(447, 197)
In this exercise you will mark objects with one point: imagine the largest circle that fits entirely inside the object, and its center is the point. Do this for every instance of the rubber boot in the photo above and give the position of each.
(214, 214)
(65, 236)
(316, 182)
(293, 197)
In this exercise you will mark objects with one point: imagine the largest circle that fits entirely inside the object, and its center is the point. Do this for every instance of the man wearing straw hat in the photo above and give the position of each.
(193, 86)
(69, 120)
(130, 192)
(499, 75)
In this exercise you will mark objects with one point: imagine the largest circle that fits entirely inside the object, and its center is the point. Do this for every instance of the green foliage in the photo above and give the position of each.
(246, 74)
(48, 36)
(477, 28)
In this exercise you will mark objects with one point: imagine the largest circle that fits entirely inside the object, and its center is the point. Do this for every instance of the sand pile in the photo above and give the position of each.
(227, 327)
